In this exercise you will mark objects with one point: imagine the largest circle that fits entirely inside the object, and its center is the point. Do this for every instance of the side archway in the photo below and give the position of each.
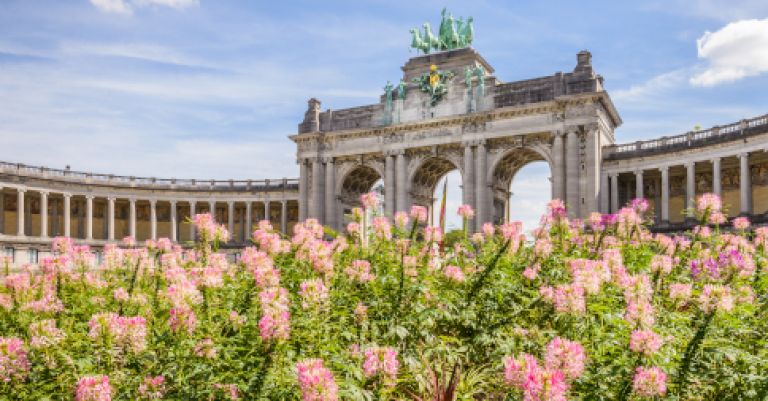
(356, 180)
(501, 176)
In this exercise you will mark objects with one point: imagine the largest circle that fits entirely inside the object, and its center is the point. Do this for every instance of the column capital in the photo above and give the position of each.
(90, 197)
(192, 201)
(66, 195)
(327, 159)
(613, 174)
(714, 159)
(153, 202)
(743, 155)
(111, 198)
(132, 200)
(230, 203)
(690, 165)
(21, 189)
(172, 202)
(664, 169)
(43, 193)
(638, 171)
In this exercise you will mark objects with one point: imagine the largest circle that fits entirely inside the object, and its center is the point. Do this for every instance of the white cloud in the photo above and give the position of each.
(738, 50)
(650, 90)
(113, 6)
(126, 8)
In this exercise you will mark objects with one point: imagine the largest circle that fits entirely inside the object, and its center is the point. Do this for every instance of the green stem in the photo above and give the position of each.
(481, 280)
(691, 349)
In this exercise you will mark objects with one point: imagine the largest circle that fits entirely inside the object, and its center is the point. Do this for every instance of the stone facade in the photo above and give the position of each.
(482, 127)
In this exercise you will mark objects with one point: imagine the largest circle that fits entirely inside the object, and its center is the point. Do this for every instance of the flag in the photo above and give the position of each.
(442, 206)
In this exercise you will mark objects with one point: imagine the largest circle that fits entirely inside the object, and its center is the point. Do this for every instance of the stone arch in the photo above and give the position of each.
(424, 178)
(356, 179)
(503, 169)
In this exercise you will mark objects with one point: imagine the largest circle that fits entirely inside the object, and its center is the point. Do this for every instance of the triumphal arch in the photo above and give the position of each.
(449, 111)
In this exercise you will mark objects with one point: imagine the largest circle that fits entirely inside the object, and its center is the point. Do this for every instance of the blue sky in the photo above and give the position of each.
(211, 89)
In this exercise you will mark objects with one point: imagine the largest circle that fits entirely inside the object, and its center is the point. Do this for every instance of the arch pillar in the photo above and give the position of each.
(401, 185)
(481, 185)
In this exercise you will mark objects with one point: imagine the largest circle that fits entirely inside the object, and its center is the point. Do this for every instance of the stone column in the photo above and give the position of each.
(132, 218)
(468, 178)
(664, 194)
(481, 185)
(212, 209)
(639, 184)
(67, 215)
(2, 211)
(111, 214)
(614, 192)
(389, 184)
(153, 218)
(44, 214)
(401, 182)
(20, 211)
(572, 174)
(303, 190)
(717, 181)
(745, 184)
(248, 221)
(690, 184)
(192, 205)
(317, 190)
(605, 193)
(54, 216)
(284, 217)
(266, 210)
(89, 217)
(558, 175)
(174, 222)
(231, 220)
(330, 195)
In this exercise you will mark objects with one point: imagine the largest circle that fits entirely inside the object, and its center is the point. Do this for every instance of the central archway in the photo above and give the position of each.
(424, 184)
(510, 165)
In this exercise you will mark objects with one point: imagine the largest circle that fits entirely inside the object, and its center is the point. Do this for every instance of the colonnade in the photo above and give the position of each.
(611, 184)
(238, 214)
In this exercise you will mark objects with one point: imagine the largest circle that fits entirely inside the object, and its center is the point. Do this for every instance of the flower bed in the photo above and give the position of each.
(595, 310)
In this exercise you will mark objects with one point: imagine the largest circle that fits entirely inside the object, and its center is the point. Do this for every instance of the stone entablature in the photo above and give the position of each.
(692, 139)
(117, 181)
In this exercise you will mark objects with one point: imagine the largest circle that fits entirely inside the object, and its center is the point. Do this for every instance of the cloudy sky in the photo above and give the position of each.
(211, 88)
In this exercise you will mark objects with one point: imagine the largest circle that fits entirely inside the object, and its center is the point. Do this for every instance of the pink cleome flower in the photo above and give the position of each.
(14, 364)
(645, 342)
(93, 388)
(649, 382)
(316, 381)
(565, 356)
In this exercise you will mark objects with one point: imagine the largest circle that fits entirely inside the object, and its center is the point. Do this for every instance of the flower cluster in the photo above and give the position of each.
(381, 361)
(316, 381)
(127, 332)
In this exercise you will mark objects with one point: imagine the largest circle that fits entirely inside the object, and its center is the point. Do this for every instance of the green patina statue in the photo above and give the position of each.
(401, 90)
(452, 34)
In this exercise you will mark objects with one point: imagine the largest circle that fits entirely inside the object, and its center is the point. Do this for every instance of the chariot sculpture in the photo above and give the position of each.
(452, 34)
